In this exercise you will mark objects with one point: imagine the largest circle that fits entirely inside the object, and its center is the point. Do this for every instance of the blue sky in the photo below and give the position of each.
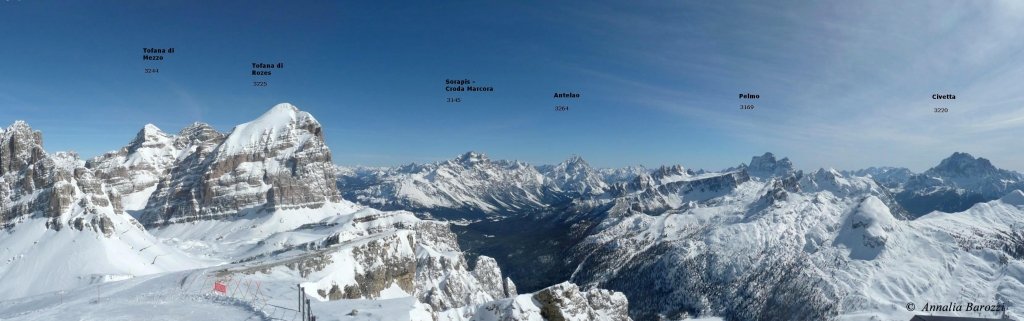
(842, 84)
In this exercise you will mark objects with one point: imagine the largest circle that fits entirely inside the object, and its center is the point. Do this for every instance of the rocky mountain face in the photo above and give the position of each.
(564, 301)
(61, 226)
(766, 165)
(573, 178)
(978, 175)
(58, 188)
(136, 169)
(278, 161)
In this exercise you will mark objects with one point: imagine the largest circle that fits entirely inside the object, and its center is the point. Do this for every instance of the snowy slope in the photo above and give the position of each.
(37, 259)
(63, 227)
(259, 204)
(384, 265)
(832, 248)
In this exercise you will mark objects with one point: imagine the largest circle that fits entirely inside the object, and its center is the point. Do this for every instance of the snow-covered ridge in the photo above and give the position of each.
(835, 245)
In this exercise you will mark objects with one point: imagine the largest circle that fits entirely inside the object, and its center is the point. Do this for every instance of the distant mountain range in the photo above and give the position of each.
(460, 239)
(956, 184)
(678, 242)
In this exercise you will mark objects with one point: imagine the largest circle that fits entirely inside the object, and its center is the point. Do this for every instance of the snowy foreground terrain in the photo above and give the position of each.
(149, 231)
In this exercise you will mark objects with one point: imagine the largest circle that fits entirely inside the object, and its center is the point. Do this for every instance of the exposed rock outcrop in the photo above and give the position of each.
(560, 302)
(58, 187)
(278, 161)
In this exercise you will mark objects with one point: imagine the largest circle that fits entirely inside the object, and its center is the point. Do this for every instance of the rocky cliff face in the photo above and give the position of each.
(369, 253)
(560, 302)
(135, 169)
(278, 161)
(766, 165)
(58, 188)
(444, 280)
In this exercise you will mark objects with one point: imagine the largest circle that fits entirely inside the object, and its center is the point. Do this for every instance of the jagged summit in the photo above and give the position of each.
(471, 158)
(767, 165)
(149, 136)
(277, 161)
(19, 146)
(674, 170)
(575, 178)
(575, 159)
(196, 126)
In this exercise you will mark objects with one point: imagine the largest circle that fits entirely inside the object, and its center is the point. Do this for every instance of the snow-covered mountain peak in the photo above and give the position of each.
(865, 232)
(149, 137)
(963, 165)
(283, 107)
(18, 126)
(472, 158)
(575, 177)
(150, 129)
(1015, 197)
(574, 163)
(197, 135)
(135, 169)
(274, 162)
(575, 160)
(194, 128)
(281, 123)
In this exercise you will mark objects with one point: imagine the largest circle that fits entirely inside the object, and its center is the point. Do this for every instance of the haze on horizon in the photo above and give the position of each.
(842, 85)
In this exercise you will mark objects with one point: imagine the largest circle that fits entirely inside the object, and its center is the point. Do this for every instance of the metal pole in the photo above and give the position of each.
(300, 303)
(308, 313)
